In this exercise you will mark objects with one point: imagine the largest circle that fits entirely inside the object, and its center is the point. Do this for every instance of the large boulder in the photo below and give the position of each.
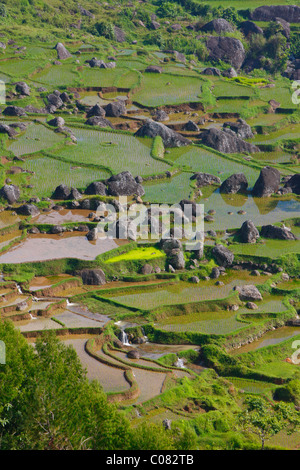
(28, 209)
(96, 111)
(205, 179)
(223, 256)
(240, 127)
(226, 141)
(234, 184)
(248, 232)
(267, 182)
(14, 111)
(160, 115)
(281, 233)
(211, 71)
(115, 109)
(170, 138)
(227, 49)
(294, 184)
(99, 121)
(177, 260)
(290, 13)
(62, 52)
(191, 126)
(119, 34)
(57, 122)
(93, 277)
(248, 293)
(285, 27)
(154, 69)
(170, 244)
(23, 88)
(219, 25)
(55, 100)
(10, 192)
(62, 192)
(248, 28)
(124, 184)
(9, 130)
(96, 188)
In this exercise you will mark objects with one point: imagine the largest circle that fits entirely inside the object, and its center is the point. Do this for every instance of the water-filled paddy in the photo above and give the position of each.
(184, 292)
(63, 216)
(111, 378)
(270, 338)
(45, 247)
(36, 137)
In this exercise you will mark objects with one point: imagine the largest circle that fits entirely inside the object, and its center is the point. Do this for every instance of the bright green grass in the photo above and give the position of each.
(146, 253)
(280, 369)
(36, 137)
(156, 92)
(49, 173)
(125, 152)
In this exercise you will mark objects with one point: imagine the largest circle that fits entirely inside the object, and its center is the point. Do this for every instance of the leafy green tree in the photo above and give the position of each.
(265, 420)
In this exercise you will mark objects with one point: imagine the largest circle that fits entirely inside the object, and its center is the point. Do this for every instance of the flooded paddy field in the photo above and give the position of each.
(45, 247)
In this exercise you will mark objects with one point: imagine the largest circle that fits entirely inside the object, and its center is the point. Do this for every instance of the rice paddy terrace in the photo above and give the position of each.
(68, 129)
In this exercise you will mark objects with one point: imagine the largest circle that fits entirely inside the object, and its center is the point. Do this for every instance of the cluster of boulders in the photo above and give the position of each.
(227, 140)
(122, 184)
(248, 233)
(94, 62)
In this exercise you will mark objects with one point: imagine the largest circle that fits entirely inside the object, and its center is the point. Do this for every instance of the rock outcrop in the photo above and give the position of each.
(240, 127)
(248, 232)
(170, 138)
(226, 141)
(205, 179)
(124, 184)
(248, 28)
(96, 188)
(248, 293)
(28, 209)
(280, 233)
(62, 52)
(290, 13)
(93, 277)
(10, 192)
(223, 256)
(293, 184)
(115, 109)
(219, 25)
(234, 184)
(227, 49)
(267, 182)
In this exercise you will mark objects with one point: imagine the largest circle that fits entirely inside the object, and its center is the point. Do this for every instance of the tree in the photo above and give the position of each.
(265, 419)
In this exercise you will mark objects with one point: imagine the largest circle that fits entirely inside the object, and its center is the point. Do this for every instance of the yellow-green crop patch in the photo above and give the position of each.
(146, 253)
